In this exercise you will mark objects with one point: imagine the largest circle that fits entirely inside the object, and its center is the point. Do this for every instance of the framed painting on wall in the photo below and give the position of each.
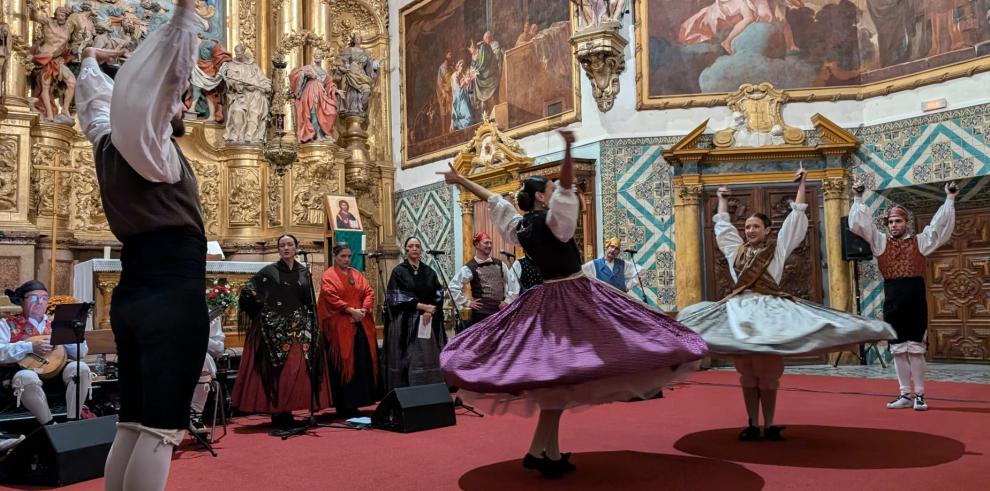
(463, 59)
(693, 52)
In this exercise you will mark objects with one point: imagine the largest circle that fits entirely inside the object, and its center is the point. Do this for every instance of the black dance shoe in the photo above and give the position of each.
(554, 469)
(749, 434)
(773, 433)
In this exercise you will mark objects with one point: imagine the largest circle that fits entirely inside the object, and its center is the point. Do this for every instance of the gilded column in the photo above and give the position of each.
(16, 15)
(687, 240)
(838, 271)
(387, 205)
(243, 185)
(467, 228)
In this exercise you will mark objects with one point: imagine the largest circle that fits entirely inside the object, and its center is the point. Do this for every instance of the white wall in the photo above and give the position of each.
(624, 121)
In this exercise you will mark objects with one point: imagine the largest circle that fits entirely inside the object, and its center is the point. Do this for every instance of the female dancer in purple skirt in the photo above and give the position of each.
(573, 340)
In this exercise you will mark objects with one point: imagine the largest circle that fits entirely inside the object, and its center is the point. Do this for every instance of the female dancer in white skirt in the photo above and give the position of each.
(758, 323)
(571, 341)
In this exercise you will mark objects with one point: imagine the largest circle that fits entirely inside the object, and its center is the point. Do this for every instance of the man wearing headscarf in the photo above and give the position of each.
(611, 269)
(493, 286)
(15, 345)
(901, 259)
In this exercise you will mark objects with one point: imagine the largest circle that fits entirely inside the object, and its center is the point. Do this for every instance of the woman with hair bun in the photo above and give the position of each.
(758, 323)
(571, 341)
(283, 364)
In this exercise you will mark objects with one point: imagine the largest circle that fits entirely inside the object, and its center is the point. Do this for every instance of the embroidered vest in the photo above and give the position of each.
(751, 268)
(901, 259)
(487, 284)
(615, 277)
(21, 328)
(554, 259)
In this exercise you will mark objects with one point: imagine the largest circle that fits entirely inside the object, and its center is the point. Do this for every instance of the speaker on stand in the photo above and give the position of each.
(856, 249)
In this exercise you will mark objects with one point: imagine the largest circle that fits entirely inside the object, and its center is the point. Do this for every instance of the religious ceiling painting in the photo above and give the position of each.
(463, 59)
(690, 52)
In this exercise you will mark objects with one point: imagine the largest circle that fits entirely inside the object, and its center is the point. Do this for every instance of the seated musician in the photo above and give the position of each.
(214, 350)
(14, 347)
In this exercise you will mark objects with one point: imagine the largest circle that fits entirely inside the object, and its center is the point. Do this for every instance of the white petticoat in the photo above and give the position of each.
(753, 322)
(580, 396)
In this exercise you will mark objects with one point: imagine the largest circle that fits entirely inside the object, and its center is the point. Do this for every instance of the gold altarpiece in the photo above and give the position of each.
(245, 204)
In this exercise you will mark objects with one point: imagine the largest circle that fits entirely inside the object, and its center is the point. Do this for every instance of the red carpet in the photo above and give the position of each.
(840, 437)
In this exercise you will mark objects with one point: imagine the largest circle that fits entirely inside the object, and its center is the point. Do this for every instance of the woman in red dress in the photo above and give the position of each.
(345, 311)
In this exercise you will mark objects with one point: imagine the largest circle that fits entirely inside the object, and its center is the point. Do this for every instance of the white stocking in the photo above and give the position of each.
(902, 365)
(120, 454)
(200, 394)
(553, 438)
(918, 366)
(542, 433)
(148, 467)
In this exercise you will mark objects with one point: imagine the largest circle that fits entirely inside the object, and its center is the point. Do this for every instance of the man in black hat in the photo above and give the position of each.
(16, 343)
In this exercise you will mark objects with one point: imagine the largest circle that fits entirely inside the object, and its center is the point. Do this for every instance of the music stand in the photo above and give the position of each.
(69, 327)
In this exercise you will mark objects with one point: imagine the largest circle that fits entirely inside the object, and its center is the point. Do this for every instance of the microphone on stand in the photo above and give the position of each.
(508, 254)
(373, 254)
(435, 252)
(630, 251)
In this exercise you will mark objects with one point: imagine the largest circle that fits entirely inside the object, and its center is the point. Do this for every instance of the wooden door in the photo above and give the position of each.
(958, 278)
(803, 269)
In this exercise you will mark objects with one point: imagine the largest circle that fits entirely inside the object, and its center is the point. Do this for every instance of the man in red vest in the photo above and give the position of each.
(901, 259)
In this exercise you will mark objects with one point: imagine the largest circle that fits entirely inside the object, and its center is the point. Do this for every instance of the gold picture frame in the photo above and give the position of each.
(531, 128)
(814, 94)
(351, 217)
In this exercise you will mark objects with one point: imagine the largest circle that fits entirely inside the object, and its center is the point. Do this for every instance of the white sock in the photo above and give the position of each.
(902, 365)
(33, 398)
(918, 366)
(553, 438)
(200, 395)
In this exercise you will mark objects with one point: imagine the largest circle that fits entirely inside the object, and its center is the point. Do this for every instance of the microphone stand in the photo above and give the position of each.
(642, 288)
(315, 391)
(457, 321)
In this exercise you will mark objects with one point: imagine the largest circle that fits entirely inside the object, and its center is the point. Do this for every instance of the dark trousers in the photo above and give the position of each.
(161, 325)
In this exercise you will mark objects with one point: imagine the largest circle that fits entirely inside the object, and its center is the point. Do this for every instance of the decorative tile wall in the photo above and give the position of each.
(426, 212)
(638, 206)
(936, 147)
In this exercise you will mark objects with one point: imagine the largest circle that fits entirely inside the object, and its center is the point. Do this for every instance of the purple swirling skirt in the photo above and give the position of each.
(568, 343)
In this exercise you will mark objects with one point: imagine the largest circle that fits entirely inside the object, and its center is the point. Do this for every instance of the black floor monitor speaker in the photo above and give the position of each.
(854, 248)
(56, 455)
(409, 409)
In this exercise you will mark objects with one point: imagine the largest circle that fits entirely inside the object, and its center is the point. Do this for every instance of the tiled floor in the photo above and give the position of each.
(942, 372)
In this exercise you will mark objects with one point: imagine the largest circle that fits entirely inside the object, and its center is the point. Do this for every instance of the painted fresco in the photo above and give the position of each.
(711, 46)
(463, 58)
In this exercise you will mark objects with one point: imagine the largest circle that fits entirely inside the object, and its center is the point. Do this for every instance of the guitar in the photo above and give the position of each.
(46, 366)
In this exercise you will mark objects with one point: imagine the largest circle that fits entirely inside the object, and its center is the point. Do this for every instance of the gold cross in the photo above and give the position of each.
(56, 170)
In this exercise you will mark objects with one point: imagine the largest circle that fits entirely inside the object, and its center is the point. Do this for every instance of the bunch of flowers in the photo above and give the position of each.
(220, 295)
(58, 299)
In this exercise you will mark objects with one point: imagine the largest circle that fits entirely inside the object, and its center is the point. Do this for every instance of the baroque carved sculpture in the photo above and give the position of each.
(593, 13)
(53, 84)
(248, 91)
(314, 97)
(356, 72)
(206, 81)
(599, 50)
(757, 120)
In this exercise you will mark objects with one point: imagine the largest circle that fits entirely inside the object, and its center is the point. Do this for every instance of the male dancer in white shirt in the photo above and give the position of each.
(493, 286)
(901, 259)
(151, 200)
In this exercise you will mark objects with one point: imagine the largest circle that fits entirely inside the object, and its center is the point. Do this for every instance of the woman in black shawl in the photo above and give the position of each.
(283, 365)
(414, 295)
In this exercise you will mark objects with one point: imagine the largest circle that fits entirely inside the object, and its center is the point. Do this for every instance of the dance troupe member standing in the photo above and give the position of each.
(901, 259)
(583, 341)
(757, 322)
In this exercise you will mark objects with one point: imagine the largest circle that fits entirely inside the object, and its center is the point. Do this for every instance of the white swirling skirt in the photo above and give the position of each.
(753, 322)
